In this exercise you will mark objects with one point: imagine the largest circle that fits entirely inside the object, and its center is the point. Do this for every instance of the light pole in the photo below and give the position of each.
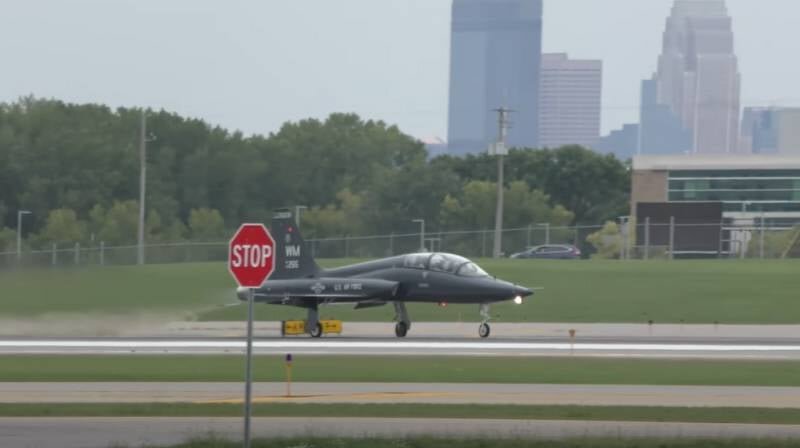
(421, 233)
(20, 214)
(297, 209)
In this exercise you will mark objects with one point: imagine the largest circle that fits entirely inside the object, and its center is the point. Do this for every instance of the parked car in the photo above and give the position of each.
(552, 251)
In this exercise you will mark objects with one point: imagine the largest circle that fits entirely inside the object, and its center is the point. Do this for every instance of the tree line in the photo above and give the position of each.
(76, 168)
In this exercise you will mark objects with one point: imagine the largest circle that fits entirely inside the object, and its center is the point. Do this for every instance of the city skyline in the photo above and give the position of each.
(495, 62)
(247, 66)
(697, 79)
(570, 101)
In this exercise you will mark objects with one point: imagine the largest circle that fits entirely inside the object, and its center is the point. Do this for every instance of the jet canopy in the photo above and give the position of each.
(442, 262)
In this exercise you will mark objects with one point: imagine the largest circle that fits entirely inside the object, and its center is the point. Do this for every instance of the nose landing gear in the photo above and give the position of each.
(403, 321)
(484, 330)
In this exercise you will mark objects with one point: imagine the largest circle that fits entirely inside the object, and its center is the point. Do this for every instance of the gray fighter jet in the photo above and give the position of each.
(420, 277)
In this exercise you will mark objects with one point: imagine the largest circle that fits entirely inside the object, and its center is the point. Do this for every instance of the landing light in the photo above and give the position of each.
(518, 300)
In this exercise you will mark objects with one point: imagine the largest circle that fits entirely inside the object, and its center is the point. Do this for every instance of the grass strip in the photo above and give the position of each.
(701, 291)
(167, 368)
(411, 410)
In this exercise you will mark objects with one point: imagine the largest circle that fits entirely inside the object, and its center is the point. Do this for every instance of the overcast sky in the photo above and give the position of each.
(252, 65)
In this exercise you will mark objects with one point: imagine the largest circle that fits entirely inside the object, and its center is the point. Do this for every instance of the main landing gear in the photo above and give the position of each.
(403, 321)
(484, 330)
(313, 327)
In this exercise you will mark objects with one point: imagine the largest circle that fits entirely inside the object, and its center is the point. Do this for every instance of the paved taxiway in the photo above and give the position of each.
(411, 346)
(439, 393)
(103, 432)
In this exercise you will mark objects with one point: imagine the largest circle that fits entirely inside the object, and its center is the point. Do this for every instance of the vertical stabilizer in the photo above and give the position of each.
(292, 256)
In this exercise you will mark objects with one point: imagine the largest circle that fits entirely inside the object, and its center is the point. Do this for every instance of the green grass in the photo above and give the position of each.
(725, 291)
(402, 369)
(410, 410)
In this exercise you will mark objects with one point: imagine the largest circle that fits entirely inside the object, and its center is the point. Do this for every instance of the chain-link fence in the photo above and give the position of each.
(629, 240)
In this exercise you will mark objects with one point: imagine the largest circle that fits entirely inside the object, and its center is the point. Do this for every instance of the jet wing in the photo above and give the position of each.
(301, 291)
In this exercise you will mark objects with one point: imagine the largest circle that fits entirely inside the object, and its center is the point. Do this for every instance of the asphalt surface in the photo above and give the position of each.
(386, 393)
(105, 432)
(597, 332)
(773, 349)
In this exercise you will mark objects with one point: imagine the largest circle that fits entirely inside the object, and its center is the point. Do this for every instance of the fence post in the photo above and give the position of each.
(346, 246)
(623, 230)
(547, 233)
(54, 259)
(483, 244)
(671, 237)
(761, 238)
(577, 235)
(102, 253)
(530, 226)
(647, 238)
(391, 244)
(77, 253)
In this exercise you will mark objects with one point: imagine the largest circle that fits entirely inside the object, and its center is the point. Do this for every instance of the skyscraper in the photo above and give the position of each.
(495, 58)
(771, 130)
(570, 97)
(697, 80)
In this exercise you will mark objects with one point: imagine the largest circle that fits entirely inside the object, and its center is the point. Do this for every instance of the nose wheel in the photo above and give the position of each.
(403, 321)
(484, 330)
(400, 330)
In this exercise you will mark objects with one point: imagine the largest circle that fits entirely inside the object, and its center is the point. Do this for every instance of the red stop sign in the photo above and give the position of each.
(251, 255)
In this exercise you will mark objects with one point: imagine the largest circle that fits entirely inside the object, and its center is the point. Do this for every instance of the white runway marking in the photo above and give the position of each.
(387, 346)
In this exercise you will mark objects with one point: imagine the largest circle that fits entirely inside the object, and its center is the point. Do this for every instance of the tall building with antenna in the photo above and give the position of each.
(691, 105)
(495, 56)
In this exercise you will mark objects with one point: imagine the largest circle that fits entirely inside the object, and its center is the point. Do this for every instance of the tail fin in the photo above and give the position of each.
(292, 257)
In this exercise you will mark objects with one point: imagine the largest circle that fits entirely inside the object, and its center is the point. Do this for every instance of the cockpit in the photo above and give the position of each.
(441, 262)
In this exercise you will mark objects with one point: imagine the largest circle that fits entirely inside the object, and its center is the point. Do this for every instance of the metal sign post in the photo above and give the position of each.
(251, 260)
(248, 375)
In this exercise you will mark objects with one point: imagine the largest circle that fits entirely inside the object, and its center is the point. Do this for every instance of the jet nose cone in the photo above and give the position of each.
(522, 291)
(242, 292)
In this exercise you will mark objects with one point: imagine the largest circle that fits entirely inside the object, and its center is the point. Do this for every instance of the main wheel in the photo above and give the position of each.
(316, 332)
(401, 329)
(484, 330)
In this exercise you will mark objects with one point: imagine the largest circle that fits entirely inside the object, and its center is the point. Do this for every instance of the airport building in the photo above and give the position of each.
(495, 56)
(571, 95)
(749, 187)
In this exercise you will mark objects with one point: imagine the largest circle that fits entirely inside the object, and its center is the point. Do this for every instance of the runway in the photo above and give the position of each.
(102, 432)
(401, 347)
(392, 393)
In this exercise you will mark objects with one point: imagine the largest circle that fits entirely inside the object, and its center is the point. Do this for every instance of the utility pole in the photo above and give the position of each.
(499, 149)
(142, 185)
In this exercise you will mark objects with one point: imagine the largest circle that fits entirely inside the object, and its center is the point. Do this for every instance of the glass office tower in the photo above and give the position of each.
(495, 58)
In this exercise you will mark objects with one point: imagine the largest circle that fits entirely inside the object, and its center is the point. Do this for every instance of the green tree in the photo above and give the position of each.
(593, 186)
(63, 226)
(341, 218)
(8, 239)
(118, 225)
(206, 224)
(475, 209)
